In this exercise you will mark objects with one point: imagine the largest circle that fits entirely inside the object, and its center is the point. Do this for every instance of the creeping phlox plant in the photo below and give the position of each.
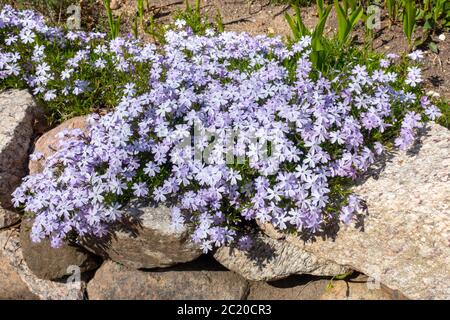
(230, 129)
(72, 72)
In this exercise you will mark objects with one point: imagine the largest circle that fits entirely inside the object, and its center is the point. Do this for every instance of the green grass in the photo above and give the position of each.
(444, 106)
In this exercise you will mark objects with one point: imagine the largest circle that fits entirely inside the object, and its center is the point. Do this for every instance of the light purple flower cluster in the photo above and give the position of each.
(272, 142)
(84, 55)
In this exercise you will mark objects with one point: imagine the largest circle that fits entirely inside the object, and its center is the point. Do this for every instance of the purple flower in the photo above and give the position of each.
(217, 143)
(414, 76)
(140, 189)
(416, 55)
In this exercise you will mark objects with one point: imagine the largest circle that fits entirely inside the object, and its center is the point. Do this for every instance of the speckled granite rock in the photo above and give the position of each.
(271, 259)
(304, 287)
(115, 4)
(50, 263)
(115, 282)
(404, 240)
(18, 112)
(148, 241)
(70, 289)
(48, 143)
(8, 218)
(359, 288)
(11, 285)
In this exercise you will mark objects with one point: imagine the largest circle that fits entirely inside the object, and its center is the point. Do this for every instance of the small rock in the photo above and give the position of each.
(115, 282)
(72, 289)
(433, 94)
(271, 259)
(148, 241)
(48, 143)
(115, 4)
(18, 112)
(51, 263)
(441, 37)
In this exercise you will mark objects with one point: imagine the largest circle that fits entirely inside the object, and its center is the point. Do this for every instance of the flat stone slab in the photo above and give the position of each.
(271, 259)
(116, 282)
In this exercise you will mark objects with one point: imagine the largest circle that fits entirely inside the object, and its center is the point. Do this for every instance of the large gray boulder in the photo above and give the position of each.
(53, 263)
(147, 241)
(116, 282)
(18, 113)
(271, 259)
(404, 239)
(71, 288)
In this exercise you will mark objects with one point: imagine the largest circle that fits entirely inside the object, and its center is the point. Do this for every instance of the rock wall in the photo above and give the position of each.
(401, 244)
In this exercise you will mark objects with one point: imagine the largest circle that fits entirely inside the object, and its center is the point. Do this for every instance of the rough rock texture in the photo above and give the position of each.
(271, 259)
(48, 143)
(295, 287)
(115, 4)
(404, 239)
(50, 263)
(148, 241)
(8, 218)
(11, 285)
(360, 288)
(113, 281)
(18, 112)
(72, 288)
(305, 287)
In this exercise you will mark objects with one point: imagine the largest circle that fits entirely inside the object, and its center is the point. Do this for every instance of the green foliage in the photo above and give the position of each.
(301, 3)
(55, 10)
(140, 7)
(194, 18)
(149, 26)
(348, 16)
(318, 41)
(296, 24)
(325, 51)
(392, 8)
(444, 107)
(105, 85)
(435, 16)
(219, 21)
(409, 20)
(343, 276)
(114, 23)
